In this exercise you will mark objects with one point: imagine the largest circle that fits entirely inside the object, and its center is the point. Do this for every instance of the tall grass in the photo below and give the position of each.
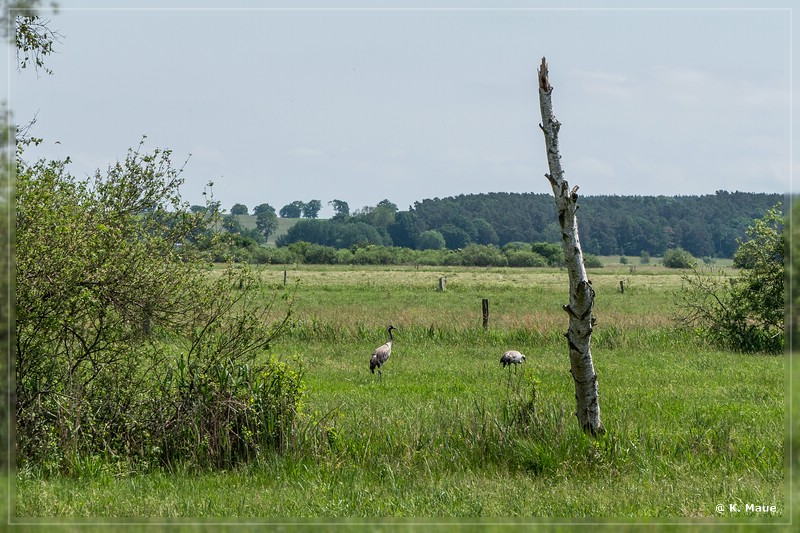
(450, 433)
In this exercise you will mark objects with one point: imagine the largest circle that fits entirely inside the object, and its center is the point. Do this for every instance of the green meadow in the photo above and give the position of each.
(692, 433)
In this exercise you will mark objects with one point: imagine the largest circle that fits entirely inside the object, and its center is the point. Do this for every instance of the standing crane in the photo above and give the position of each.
(381, 354)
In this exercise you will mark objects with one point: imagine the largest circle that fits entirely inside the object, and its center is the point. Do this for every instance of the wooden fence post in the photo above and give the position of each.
(442, 283)
(485, 309)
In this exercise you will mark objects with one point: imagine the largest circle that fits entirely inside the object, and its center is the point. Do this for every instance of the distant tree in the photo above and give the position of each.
(454, 236)
(198, 209)
(310, 231)
(266, 219)
(431, 240)
(292, 210)
(386, 204)
(404, 230)
(340, 208)
(380, 216)
(329, 233)
(466, 223)
(383, 215)
(706, 225)
(263, 208)
(311, 209)
(231, 223)
(357, 233)
(551, 233)
(485, 233)
(239, 209)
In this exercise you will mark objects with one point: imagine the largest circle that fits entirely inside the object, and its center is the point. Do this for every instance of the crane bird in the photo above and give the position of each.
(381, 354)
(512, 357)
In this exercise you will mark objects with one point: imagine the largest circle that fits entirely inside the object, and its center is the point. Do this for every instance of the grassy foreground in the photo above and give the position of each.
(449, 433)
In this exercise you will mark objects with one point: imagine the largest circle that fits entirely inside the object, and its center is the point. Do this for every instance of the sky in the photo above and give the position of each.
(363, 101)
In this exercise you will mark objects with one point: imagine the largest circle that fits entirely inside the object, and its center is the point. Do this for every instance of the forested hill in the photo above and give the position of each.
(706, 226)
(627, 225)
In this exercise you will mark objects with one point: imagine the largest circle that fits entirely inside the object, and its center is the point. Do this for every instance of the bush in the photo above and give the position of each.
(554, 253)
(520, 258)
(318, 254)
(592, 261)
(273, 256)
(482, 255)
(224, 413)
(745, 313)
(373, 255)
(678, 258)
(107, 303)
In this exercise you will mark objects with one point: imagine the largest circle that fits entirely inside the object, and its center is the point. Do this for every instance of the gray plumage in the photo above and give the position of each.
(381, 354)
(512, 357)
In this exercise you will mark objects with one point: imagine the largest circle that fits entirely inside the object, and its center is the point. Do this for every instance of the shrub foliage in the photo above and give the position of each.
(127, 344)
(745, 313)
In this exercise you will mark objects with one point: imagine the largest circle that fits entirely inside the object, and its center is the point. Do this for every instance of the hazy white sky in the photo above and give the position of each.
(276, 103)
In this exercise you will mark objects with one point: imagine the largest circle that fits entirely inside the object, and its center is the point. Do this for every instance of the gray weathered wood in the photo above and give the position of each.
(581, 293)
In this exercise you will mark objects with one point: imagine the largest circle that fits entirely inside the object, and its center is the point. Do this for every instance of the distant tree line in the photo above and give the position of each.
(511, 255)
(703, 226)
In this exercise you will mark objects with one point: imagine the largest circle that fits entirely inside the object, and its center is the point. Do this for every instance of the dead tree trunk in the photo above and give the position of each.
(581, 293)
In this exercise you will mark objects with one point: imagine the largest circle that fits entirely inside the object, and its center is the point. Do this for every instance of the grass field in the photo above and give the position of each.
(448, 433)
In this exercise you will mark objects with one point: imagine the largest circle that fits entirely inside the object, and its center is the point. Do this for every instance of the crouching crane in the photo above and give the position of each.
(512, 357)
(381, 354)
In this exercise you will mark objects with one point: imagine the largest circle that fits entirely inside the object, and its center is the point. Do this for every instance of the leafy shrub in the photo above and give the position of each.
(223, 414)
(554, 253)
(482, 255)
(745, 313)
(318, 254)
(106, 301)
(678, 258)
(592, 261)
(521, 258)
(516, 246)
(373, 255)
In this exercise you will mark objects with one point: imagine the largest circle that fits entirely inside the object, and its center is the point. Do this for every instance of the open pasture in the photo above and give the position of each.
(449, 433)
(529, 299)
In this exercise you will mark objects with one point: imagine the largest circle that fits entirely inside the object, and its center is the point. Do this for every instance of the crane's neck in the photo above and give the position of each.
(390, 335)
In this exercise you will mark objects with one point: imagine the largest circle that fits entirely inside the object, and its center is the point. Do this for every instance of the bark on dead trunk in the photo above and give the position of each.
(581, 293)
